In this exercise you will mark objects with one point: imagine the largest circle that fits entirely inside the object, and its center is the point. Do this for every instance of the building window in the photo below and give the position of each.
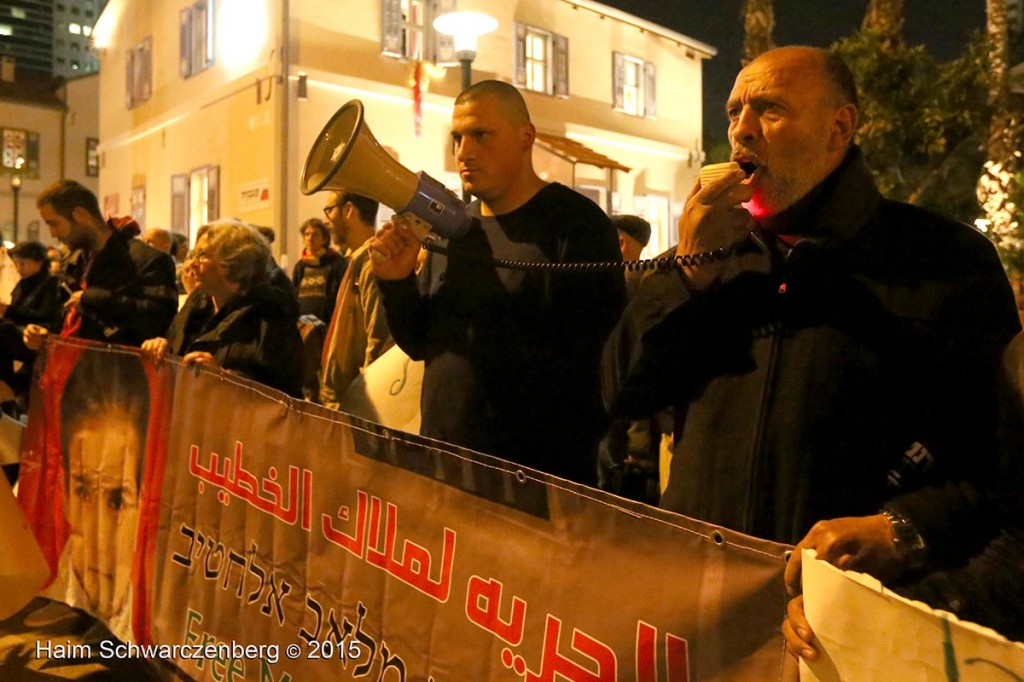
(6, 30)
(407, 30)
(655, 209)
(19, 152)
(195, 38)
(138, 201)
(537, 60)
(75, 65)
(18, 13)
(92, 157)
(75, 29)
(87, 30)
(139, 73)
(542, 61)
(633, 86)
(203, 198)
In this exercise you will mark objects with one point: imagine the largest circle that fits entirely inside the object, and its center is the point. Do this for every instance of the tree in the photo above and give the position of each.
(758, 24)
(919, 117)
(999, 188)
(885, 19)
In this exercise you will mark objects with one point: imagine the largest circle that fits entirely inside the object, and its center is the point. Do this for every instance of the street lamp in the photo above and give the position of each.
(15, 190)
(465, 28)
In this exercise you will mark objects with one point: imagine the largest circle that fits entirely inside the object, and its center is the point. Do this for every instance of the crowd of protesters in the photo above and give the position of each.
(823, 361)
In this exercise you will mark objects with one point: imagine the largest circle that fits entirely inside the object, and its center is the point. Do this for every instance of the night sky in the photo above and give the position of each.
(942, 25)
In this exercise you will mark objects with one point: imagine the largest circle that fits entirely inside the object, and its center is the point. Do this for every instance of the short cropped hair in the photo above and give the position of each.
(242, 249)
(365, 206)
(318, 224)
(513, 104)
(842, 80)
(67, 195)
(30, 251)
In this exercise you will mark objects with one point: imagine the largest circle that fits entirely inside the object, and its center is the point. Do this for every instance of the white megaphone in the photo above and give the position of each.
(346, 157)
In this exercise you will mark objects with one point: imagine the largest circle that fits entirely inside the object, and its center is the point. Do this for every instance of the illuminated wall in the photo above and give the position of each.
(259, 140)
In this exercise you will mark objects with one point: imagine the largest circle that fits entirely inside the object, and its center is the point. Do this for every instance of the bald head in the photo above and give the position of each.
(513, 106)
(836, 77)
(792, 117)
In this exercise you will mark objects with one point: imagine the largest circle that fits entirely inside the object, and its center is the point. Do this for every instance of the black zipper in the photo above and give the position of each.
(775, 333)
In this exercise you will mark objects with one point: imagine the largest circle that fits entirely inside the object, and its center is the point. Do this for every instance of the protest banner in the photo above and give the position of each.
(241, 534)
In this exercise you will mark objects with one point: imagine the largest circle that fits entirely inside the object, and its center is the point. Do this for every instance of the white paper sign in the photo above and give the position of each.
(867, 633)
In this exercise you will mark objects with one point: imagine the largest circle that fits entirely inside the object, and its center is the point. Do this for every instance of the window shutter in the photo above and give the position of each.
(32, 152)
(129, 78)
(561, 64)
(391, 28)
(212, 192)
(618, 80)
(209, 43)
(650, 91)
(444, 46)
(144, 60)
(520, 67)
(201, 35)
(185, 42)
(179, 204)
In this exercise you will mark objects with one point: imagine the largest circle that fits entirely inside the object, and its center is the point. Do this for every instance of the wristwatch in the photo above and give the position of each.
(908, 541)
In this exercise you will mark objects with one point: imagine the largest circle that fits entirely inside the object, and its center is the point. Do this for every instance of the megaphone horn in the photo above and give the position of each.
(347, 157)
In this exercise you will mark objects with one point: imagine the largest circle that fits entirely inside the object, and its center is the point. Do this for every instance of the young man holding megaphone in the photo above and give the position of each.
(511, 356)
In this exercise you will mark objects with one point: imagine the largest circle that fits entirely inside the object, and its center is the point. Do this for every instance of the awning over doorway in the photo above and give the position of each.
(575, 152)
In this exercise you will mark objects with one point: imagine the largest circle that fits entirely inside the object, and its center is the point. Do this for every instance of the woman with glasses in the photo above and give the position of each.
(234, 319)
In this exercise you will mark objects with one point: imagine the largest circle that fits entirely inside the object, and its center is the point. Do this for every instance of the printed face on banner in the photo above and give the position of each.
(104, 414)
(102, 506)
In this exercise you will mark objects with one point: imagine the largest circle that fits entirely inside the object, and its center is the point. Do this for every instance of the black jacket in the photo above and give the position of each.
(36, 300)
(856, 370)
(130, 294)
(511, 356)
(254, 334)
(989, 589)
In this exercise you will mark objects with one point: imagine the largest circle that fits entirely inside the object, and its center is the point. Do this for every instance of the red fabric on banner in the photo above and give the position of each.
(41, 480)
(149, 504)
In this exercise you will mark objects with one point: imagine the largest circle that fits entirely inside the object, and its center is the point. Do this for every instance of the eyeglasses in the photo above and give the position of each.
(328, 209)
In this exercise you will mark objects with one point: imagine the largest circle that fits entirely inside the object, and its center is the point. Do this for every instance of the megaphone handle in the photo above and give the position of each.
(419, 228)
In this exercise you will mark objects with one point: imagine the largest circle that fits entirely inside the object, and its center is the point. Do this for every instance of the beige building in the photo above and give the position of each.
(209, 107)
(47, 130)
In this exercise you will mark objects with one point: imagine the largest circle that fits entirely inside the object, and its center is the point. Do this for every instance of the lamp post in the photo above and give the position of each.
(465, 28)
(15, 190)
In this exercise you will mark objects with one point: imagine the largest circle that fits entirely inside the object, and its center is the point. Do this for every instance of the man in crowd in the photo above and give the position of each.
(634, 233)
(111, 300)
(511, 356)
(358, 331)
(629, 453)
(832, 353)
(159, 238)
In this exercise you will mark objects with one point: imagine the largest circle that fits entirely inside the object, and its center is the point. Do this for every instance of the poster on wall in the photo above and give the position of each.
(254, 196)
